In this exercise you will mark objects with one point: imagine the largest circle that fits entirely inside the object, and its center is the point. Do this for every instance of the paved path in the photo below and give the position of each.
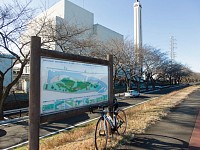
(176, 131)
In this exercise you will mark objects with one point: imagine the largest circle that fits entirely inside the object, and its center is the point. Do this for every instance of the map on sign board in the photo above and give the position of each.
(68, 84)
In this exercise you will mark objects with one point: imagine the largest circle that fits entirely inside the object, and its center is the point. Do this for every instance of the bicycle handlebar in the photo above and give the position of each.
(97, 107)
(103, 108)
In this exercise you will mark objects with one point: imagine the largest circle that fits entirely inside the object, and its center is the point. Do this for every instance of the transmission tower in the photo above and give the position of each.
(172, 48)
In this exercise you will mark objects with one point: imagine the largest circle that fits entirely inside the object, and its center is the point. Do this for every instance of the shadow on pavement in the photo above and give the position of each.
(153, 142)
(2, 133)
(122, 104)
(143, 96)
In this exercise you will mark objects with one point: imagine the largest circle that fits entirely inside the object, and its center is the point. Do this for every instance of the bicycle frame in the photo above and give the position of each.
(112, 121)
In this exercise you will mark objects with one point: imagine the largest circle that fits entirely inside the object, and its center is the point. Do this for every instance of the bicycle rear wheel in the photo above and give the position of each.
(101, 134)
(121, 122)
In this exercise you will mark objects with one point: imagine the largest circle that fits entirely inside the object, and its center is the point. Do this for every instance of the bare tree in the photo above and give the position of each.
(174, 73)
(152, 60)
(115, 47)
(179, 71)
(124, 67)
(14, 18)
(194, 77)
(128, 66)
(58, 34)
(118, 49)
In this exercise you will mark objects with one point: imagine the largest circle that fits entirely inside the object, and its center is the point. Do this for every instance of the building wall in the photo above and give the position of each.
(78, 16)
(56, 10)
(105, 34)
(74, 15)
(6, 62)
(71, 13)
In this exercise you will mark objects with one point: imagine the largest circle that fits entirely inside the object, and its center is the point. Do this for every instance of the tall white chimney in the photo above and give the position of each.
(138, 33)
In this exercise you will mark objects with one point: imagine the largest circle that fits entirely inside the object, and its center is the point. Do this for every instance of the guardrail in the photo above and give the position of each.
(15, 111)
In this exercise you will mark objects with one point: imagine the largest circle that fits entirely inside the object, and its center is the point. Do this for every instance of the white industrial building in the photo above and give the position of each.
(76, 15)
(67, 12)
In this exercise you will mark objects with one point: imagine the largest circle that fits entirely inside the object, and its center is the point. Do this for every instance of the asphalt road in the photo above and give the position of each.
(16, 133)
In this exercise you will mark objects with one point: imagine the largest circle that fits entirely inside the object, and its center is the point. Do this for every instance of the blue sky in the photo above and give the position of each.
(160, 18)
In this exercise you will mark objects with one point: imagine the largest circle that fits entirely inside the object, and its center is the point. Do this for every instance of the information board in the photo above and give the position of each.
(71, 84)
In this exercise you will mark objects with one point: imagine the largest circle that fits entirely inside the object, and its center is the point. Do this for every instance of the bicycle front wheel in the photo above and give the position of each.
(121, 122)
(101, 134)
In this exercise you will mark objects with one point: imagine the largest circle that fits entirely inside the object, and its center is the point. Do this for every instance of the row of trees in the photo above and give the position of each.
(16, 18)
(157, 67)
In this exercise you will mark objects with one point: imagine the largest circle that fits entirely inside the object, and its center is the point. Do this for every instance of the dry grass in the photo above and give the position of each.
(139, 118)
(72, 139)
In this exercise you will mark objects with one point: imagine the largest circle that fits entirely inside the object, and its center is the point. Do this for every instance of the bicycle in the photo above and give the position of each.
(118, 123)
